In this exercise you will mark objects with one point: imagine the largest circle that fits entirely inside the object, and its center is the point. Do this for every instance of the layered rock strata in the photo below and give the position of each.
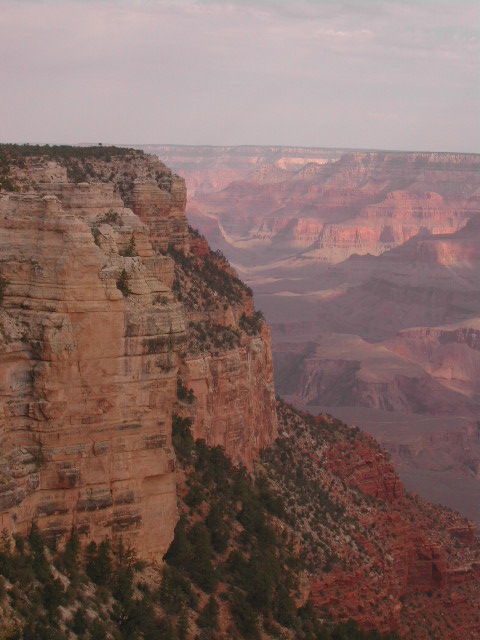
(227, 413)
(324, 204)
(91, 340)
(375, 553)
(88, 389)
(228, 364)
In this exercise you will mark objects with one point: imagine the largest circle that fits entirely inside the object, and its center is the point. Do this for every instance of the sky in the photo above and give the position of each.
(378, 74)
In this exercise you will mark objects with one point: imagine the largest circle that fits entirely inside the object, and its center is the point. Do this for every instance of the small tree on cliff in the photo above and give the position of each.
(122, 283)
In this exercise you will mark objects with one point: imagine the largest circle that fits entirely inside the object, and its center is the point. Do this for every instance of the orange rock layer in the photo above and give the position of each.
(89, 353)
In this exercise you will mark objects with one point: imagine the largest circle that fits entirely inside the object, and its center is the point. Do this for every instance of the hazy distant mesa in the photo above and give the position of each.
(367, 266)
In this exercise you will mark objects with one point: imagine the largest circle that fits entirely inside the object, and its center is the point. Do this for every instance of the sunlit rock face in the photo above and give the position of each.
(235, 398)
(88, 371)
(92, 337)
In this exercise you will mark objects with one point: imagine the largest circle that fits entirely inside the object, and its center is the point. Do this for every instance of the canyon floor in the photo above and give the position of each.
(366, 266)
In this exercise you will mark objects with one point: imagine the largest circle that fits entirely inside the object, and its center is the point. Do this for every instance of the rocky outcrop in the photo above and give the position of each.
(92, 333)
(88, 389)
(227, 365)
(375, 553)
(369, 471)
(163, 212)
(235, 399)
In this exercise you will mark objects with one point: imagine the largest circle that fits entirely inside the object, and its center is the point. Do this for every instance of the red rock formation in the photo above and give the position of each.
(375, 553)
(235, 405)
(88, 390)
(89, 343)
(163, 211)
(362, 203)
(369, 471)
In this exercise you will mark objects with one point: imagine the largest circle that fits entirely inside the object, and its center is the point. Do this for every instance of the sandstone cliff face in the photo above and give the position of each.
(91, 341)
(228, 362)
(235, 398)
(88, 390)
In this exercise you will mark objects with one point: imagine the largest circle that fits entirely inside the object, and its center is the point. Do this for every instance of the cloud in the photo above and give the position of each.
(216, 72)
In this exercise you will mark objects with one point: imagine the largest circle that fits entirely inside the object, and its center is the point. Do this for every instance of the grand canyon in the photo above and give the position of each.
(239, 320)
(139, 424)
(366, 266)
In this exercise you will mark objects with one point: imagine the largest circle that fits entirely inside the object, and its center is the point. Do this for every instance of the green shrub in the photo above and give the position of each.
(184, 394)
(208, 617)
(252, 325)
(182, 438)
(99, 562)
(218, 527)
(122, 283)
(131, 250)
(79, 622)
(245, 617)
(175, 591)
(201, 569)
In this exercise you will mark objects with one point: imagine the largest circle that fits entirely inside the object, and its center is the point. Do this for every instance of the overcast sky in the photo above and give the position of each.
(362, 74)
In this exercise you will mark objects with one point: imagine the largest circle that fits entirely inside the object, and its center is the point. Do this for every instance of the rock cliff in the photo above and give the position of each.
(227, 364)
(114, 317)
(93, 332)
(374, 552)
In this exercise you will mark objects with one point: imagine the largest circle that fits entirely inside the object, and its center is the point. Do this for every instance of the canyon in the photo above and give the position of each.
(366, 266)
(127, 343)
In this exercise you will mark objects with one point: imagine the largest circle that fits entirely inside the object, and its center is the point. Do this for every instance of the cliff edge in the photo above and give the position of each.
(93, 334)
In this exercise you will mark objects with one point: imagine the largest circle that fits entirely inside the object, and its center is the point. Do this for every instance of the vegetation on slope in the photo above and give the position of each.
(83, 164)
(209, 289)
(237, 553)
(373, 552)
(207, 280)
(232, 571)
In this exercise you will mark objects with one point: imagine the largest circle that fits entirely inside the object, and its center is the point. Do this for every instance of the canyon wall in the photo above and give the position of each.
(324, 204)
(88, 379)
(366, 265)
(227, 412)
(93, 333)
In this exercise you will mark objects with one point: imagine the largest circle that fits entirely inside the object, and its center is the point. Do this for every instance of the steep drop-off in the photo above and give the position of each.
(117, 320)
(92, 337)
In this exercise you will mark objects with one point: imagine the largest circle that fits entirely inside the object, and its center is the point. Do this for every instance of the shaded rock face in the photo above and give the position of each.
(91, 339)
